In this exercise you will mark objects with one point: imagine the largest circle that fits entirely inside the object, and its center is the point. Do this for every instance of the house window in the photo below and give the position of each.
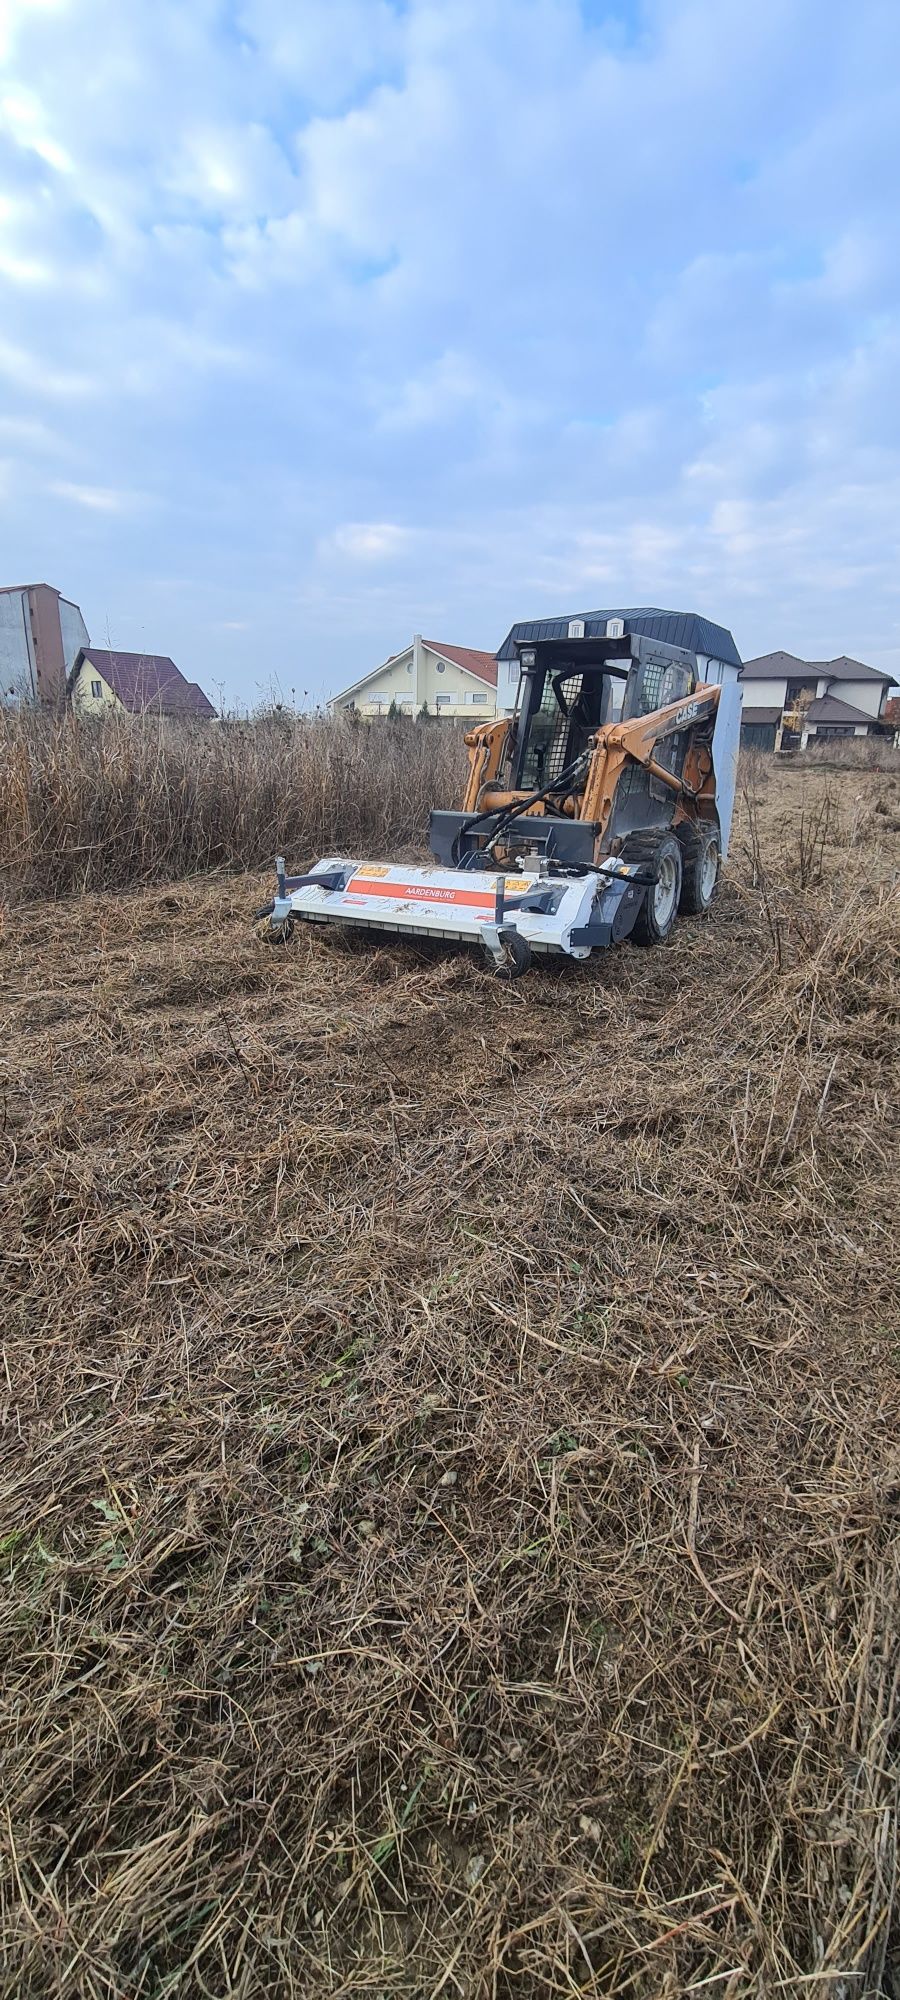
(440, 666)
(444, 700)
(472, 696)
(97, 690)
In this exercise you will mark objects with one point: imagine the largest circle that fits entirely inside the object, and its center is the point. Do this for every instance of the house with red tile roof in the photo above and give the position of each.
(458, 681)
(104, 680)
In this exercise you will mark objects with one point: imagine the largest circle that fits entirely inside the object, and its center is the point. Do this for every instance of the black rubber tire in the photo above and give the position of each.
(699, 882)
(517, 960)
(655, 852)
(278, 934)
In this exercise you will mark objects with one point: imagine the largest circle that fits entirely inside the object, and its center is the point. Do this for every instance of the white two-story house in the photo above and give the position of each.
(789, 701)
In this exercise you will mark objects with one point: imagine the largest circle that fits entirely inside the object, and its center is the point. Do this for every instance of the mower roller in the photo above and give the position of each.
(596, 812)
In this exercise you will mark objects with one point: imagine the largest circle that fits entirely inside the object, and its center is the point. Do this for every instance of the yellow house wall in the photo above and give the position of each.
(396, 682)
(455, 682)
(84, 700)
(391, 683)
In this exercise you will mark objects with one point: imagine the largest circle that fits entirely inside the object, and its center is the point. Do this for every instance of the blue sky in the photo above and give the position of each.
(325, 321)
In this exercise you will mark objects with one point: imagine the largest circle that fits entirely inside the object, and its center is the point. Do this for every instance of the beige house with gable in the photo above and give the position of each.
(455, 681)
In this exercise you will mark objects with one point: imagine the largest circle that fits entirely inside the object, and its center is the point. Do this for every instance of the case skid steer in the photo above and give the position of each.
(596, 812)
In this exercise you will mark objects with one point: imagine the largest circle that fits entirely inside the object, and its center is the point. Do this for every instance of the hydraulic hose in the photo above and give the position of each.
(561, 784)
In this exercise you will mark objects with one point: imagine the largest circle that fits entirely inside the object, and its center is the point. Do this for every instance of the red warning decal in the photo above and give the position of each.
(421, 892)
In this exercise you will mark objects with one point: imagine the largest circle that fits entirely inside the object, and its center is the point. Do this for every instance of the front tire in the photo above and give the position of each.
(280, 932)
(660, 854)
(701, 849)
(516, 956)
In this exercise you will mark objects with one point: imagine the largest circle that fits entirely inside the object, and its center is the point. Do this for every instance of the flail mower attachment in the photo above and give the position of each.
(512, 916)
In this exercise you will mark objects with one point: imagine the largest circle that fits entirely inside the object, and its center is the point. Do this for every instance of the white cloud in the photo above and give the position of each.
(29, 433)
(24, 270)
(443, 393)
(324, 51)
(369, 541)
(232, 170)
(15, 12)
(277, 250)
(27, 371)
(22, 115)
(97, 499)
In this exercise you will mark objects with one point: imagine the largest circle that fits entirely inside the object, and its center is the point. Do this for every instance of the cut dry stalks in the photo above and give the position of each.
(450, 1495)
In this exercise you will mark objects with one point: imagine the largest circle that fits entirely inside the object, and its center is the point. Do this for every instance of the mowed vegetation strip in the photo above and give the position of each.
(450, 1494)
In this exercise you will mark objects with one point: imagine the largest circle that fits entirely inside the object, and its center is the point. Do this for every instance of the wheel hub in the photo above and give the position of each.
(709, 868)
(665, 891)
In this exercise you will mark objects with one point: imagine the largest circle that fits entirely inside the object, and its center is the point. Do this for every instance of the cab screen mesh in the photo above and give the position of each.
(546, 756)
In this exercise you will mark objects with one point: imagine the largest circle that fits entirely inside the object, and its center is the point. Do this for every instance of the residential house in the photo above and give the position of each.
(40, 635)
(788, 701)
(103, 681)
(717, 654)
(455, 681)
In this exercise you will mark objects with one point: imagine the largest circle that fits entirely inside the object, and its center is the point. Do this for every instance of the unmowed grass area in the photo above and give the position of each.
(100, 805)
(450, 1500)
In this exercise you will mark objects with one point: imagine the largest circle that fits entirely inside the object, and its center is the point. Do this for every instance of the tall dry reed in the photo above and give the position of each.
(88, 805)
(852, 753)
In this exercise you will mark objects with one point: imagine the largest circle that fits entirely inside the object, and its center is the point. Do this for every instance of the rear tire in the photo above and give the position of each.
(660, 854)
(701, 849)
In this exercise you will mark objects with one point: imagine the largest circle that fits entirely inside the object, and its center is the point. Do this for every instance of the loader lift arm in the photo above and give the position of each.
(637, 741)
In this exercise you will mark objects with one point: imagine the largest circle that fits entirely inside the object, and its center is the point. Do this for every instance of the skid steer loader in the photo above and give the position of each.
(593, 814)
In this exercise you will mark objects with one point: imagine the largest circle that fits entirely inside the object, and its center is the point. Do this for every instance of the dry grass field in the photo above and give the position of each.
(107, 806)
(451, 1487)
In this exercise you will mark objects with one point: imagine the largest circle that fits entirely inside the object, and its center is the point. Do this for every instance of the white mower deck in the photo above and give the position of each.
(511, 916)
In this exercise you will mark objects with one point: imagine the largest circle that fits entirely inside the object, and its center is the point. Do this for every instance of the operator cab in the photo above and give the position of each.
(568, 689)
